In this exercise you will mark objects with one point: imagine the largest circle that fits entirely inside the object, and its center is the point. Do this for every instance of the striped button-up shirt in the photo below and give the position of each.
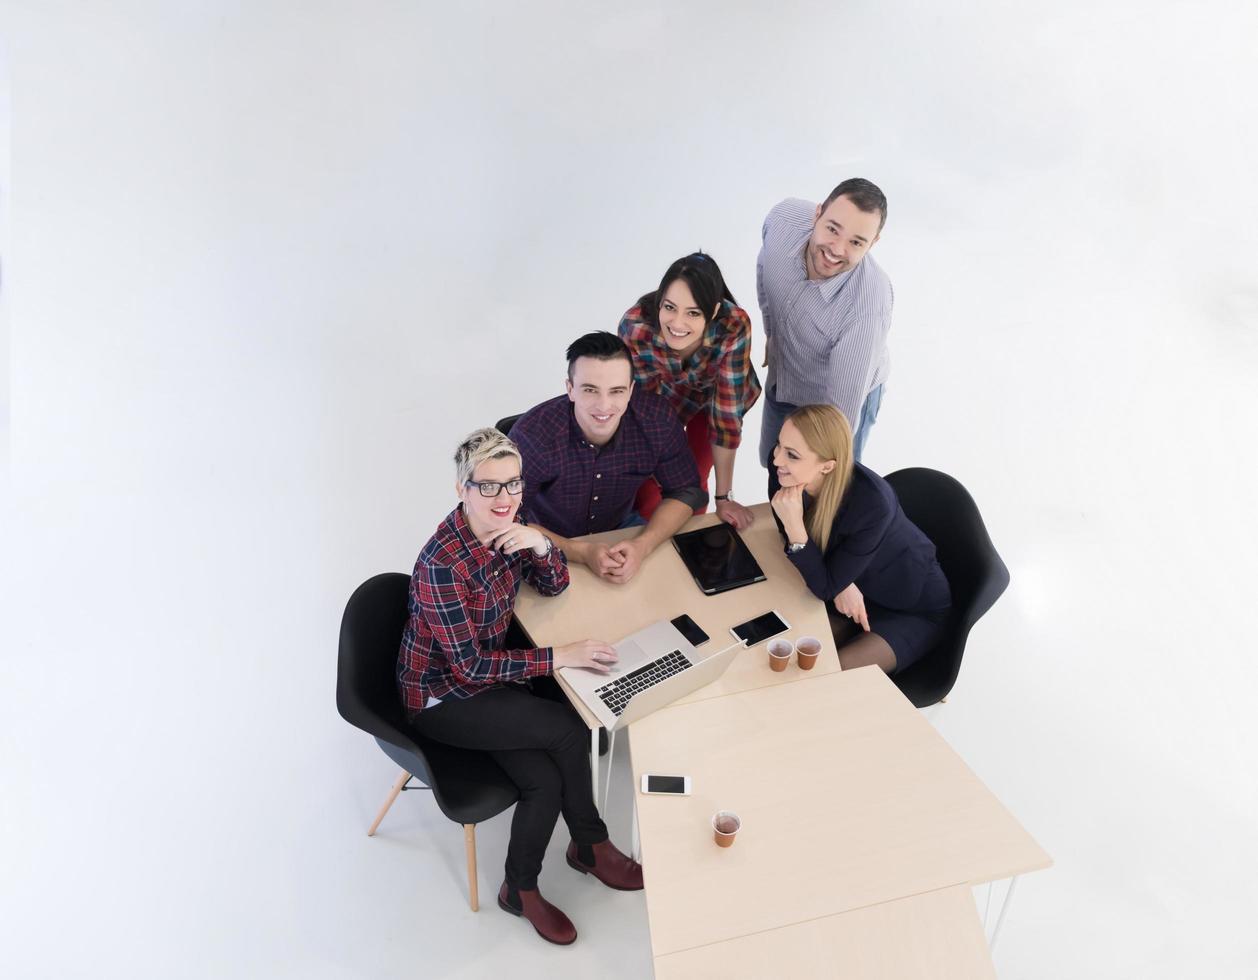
(827, 337)
(718, 377)
(573, 487)
(462, 594)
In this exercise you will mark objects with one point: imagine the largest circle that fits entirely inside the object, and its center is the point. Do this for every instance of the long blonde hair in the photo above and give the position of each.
(826, 432)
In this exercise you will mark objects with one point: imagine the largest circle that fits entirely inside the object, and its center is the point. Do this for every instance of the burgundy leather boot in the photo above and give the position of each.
(551, 924)
(613, 869)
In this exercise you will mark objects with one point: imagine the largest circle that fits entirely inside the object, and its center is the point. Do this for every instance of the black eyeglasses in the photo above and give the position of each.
(491, 488)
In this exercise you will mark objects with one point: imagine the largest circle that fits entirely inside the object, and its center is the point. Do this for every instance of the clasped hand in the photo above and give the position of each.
(618, 562)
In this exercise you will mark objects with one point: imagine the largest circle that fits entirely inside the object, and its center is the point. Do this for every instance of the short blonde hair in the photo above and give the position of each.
(479, 447)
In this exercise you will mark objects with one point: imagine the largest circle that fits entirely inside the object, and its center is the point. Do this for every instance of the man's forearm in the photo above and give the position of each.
(667, 520)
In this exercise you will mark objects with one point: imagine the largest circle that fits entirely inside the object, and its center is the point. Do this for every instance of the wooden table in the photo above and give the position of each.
(933, 936)
(849, 798)
(862, 830)
(593, 608)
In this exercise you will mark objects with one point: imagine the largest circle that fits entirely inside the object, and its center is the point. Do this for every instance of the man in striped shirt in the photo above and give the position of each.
(826, 307)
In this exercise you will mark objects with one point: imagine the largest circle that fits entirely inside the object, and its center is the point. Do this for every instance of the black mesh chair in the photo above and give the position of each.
(947, 514)
(504, 425)
(468, 786)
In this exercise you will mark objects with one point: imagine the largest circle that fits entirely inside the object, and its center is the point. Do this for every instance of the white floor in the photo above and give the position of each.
(264, 267)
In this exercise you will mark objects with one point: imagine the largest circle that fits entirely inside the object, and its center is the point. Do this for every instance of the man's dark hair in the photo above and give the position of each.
(701, 273)
(600, 344)
(865, 194)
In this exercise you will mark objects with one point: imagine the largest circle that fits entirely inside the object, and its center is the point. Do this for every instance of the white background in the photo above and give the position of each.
(264, 264)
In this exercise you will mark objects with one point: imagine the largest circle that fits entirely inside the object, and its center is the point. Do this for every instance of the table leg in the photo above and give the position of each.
(1000, 919)
(594, 764)
(611, 755)
(635, 846)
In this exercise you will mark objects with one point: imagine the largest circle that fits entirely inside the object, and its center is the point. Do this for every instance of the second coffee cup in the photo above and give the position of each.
(809, 649)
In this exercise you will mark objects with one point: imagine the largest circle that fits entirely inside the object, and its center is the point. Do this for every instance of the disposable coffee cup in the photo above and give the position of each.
(808, 649)
(725, 824)
(780, 653)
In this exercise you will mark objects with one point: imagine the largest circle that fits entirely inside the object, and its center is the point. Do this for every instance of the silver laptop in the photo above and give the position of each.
(657, 666)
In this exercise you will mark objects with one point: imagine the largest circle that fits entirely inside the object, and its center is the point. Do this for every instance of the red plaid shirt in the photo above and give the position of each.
(719, 376)
(462, 594)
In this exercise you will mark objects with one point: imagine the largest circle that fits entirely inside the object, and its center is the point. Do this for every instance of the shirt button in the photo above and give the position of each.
(596, 498)
(598, 476)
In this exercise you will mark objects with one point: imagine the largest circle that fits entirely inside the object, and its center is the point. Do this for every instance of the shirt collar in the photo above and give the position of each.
(463, 532)
(828, 288)
(578, 437)
(709, 342)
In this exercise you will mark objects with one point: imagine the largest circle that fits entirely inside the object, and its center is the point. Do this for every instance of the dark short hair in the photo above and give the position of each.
(599, 344)
(865, 194)
(701, 273)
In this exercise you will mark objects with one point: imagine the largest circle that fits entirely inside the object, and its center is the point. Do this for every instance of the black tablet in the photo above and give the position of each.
(718, 558)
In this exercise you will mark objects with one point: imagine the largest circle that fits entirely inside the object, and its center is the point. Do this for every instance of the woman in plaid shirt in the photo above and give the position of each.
(691, 343)
(462, 687)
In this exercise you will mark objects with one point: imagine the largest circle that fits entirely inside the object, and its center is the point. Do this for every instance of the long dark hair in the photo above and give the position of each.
(701, 273)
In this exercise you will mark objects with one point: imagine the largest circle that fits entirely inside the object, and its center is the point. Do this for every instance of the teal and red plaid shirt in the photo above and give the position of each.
(718, 377)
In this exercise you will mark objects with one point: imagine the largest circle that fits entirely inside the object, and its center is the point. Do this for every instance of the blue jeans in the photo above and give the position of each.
(775, 413)
(869, 415)
(632, 519)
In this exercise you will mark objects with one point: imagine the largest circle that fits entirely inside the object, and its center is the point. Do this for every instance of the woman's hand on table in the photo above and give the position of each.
(851, 603)
(517, 537)
(591, 654)
(732, 512)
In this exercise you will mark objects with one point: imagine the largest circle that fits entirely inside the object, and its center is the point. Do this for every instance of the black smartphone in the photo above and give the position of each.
(761, 628)
(688, 628)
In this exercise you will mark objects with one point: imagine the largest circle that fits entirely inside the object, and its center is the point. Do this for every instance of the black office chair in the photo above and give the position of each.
(947, 514)
(469, 786)
(504, 425)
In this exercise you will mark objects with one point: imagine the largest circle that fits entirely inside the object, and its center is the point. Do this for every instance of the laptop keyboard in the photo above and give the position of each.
(617, 694)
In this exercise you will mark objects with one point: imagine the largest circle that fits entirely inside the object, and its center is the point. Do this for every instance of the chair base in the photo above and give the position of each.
(469, 838)
(398, 786)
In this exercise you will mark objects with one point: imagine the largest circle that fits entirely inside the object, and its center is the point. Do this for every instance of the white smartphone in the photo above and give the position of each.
(761, 628)
(666, 785)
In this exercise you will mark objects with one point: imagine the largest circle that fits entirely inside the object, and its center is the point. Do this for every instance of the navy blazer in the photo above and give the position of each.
(875, 545)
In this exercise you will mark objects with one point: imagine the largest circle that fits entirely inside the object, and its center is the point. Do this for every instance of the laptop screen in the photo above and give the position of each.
(718, 558)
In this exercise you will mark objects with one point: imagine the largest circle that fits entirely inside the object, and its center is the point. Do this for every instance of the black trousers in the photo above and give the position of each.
(543, 747)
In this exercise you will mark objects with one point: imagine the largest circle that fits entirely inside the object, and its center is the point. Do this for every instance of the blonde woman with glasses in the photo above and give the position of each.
(461, 686)
(852, 543)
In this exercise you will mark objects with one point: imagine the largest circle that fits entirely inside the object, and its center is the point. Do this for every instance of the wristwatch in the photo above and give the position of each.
(729, 495)
(795, 546)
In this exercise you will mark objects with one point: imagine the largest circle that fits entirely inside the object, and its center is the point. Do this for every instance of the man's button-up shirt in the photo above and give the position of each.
(574, 488)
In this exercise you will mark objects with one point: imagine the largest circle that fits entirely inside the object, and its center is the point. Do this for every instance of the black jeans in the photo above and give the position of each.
(543, 747)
